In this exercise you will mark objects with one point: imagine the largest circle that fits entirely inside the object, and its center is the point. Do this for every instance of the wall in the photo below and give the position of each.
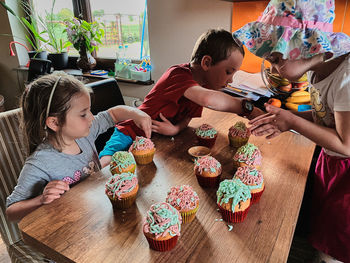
(174, 26)
(244, 12)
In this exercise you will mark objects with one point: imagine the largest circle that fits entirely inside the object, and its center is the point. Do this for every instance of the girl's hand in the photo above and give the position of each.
(144, 122)
(53, 191)
(164, 127)
(274, 122)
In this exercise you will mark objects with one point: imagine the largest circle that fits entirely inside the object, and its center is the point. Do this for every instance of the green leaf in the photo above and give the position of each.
(8, 9)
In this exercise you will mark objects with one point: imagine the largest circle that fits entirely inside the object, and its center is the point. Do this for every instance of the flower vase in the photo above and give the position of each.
(86, 61)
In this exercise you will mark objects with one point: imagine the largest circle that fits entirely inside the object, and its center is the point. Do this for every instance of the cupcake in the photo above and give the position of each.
(162, 226)
(233, 199)
(247, 155)
(206, 135)
(208, 171)
(122, 162)
(238, 134)
(143, 150)
(253, 178)
(121, 190)
(185, 200)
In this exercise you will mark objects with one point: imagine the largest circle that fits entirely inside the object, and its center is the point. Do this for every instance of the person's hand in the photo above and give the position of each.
(255, 113)
(53, 190)
(164, 127)
(273, 123)
(144, 122)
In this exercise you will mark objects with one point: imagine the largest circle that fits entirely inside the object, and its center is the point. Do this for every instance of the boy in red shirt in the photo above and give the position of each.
(183, 90)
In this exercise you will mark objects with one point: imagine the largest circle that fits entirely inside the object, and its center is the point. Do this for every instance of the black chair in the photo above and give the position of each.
(38, 67)
(106, 94)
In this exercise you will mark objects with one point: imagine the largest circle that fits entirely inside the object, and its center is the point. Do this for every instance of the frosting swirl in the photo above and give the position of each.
(239, 130)
(122, 159)
(162, 219)
(119, 184)
(207, 164)
(250, 176)
(206, 130)
(232, 189)
(183, 197)
(141, 143)
(249, 154)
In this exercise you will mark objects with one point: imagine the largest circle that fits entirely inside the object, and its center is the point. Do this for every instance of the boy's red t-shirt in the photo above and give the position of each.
(166, 97)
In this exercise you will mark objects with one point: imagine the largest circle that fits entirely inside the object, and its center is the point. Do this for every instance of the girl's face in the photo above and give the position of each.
(220, 74)
(78, 118)
(289, 69)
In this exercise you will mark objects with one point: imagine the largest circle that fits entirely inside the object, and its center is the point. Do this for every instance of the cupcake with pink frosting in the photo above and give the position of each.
(162, 226)
(122, 189)
(252, 178)
(206, 135)
(247, 155)
(143, 150)
(185, 200)
(208, 171)
(238, 134)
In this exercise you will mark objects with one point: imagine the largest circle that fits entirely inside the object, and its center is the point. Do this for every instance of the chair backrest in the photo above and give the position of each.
(38, 67)
(106, 95)
(12, 157)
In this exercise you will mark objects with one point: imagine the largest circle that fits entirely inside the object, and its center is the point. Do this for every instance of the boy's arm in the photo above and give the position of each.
(140, 118)
(52, 191)
(165, 127)
(217, 100)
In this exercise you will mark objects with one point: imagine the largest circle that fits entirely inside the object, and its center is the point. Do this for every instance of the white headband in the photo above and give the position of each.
(50, 99)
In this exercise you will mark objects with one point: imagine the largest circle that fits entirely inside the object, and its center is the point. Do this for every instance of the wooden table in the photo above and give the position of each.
(82, 226)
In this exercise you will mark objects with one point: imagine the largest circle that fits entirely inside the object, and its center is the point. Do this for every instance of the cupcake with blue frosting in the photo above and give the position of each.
(208, 171)
(206, 135)
(233, 200)
(247, 155)
(162, 226)
(122, 162)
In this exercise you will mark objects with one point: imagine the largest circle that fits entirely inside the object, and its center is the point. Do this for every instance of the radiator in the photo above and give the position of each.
(131, 101)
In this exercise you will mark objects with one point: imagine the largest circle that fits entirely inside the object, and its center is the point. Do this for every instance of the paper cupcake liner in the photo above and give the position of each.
(123, 203)
(145, 158)
(162, 245)
(206, 142)
(236, 217)
(115, 170)
(256, 196)
(208, 182)
(237, 142)
(188, 216)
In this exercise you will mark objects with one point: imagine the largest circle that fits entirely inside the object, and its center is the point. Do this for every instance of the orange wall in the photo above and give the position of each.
(244, 12)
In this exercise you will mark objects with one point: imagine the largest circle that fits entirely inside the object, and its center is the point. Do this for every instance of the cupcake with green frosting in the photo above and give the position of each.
(247, 155)
(206, 135)
(122, 189)
(233, 200)
(238, 134)
(122, 162)
(162, 226)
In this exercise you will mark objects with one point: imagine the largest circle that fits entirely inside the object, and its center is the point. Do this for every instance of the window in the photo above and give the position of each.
(125, 24)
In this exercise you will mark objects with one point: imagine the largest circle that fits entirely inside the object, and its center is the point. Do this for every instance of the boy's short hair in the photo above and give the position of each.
(216, 43)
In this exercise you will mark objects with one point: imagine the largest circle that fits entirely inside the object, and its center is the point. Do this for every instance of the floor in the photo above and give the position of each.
(4, 257)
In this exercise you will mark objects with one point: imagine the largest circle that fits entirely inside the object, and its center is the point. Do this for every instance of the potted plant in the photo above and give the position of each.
(84, 36)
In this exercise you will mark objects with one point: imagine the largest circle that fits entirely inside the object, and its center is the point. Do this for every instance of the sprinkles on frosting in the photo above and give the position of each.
(239, 129)
(249, 154)
(206, 130)
(119, 184)
(183, 197)
(141, 143)
(232, 189)
(250, 176)
(162, 219)
(122, 160)
(207, 164)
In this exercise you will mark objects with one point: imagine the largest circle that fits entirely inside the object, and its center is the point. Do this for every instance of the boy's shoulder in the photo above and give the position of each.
(180, 68)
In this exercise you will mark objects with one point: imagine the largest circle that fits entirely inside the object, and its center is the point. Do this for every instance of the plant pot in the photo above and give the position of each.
(59, 60)
(35, 54)
(85, 62)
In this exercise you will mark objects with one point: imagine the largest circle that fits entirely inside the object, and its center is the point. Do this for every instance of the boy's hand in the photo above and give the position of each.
(144, 122)
(164, 127)
(53, 191)
(272, 123)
